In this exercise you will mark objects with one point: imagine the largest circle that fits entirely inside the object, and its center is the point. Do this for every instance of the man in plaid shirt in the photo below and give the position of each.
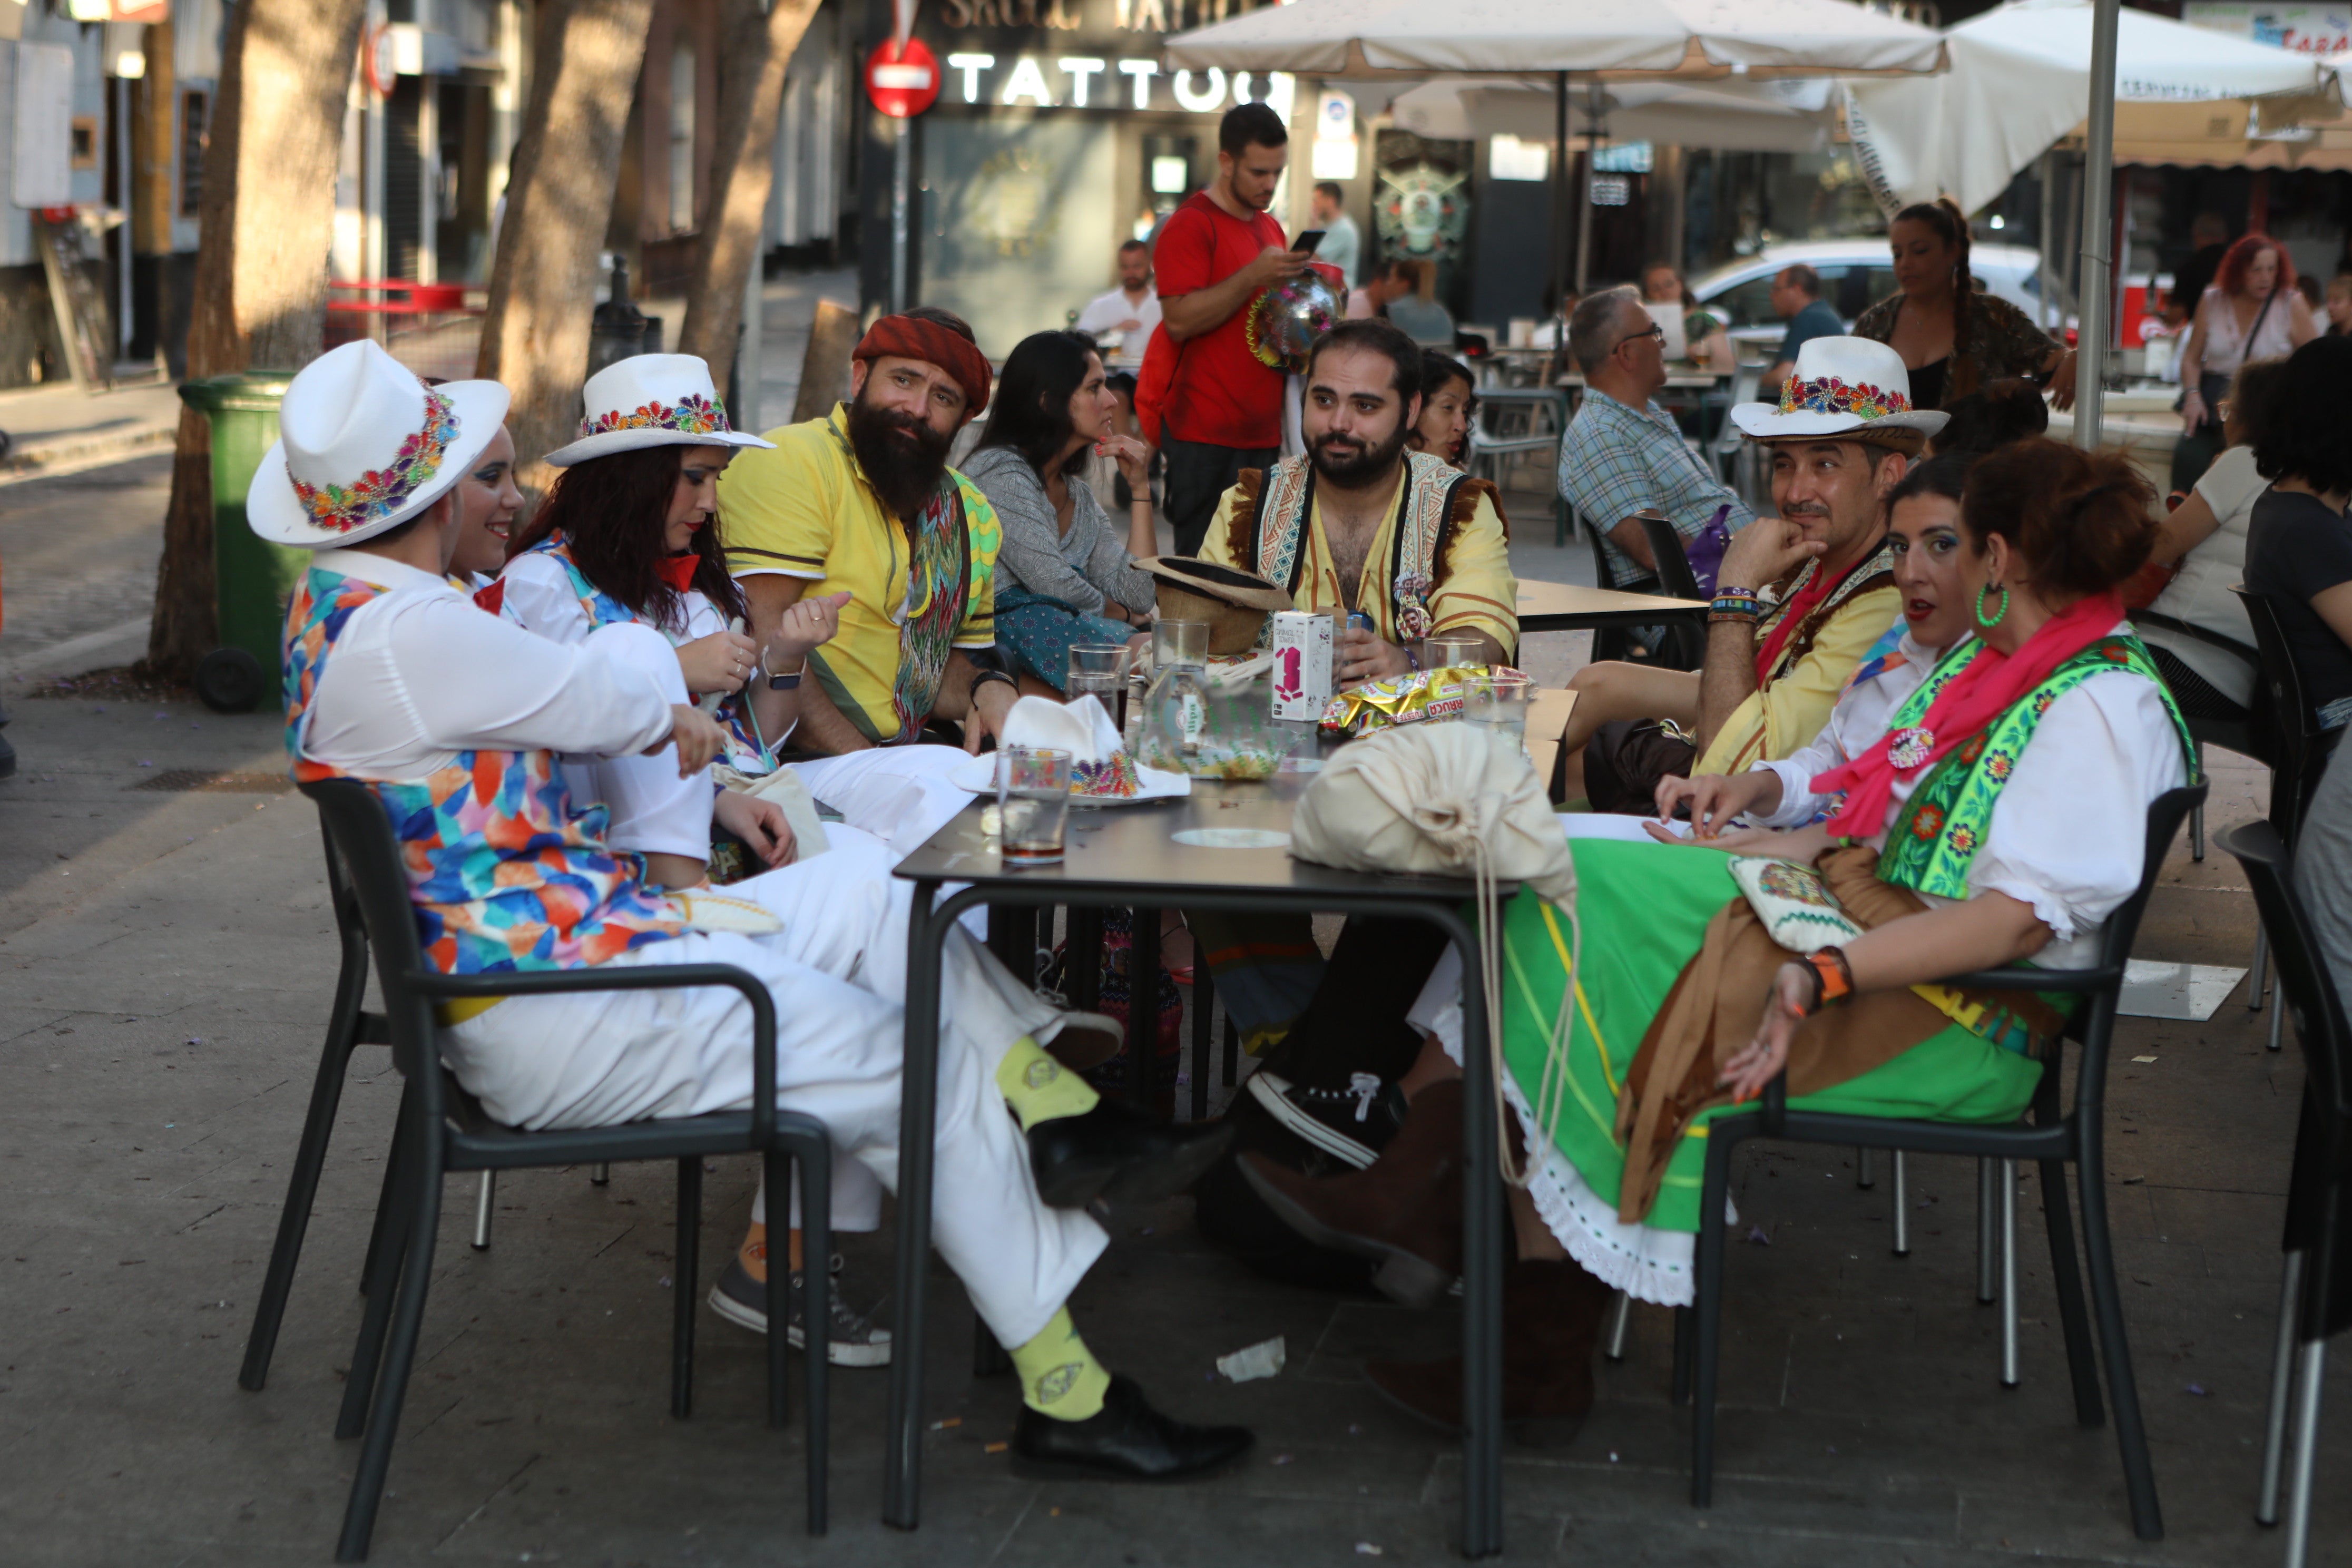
(1625, 453)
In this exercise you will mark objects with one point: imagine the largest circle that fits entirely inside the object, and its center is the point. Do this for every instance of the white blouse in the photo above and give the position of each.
(403, 692)
(541, 597)
(2068, 830)
(1858, 719)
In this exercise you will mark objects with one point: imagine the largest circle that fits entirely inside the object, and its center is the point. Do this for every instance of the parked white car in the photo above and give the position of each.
(1855, 275)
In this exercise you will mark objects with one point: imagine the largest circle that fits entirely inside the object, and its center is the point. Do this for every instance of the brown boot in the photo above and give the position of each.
(1551, 1323)
(1404, 1211)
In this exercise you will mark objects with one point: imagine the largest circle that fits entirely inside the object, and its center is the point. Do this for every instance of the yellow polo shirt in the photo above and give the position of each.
(1478, 592)
(1786, 715)
(806, 510)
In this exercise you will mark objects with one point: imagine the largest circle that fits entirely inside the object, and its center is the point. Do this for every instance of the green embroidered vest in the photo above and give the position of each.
(1940, 829)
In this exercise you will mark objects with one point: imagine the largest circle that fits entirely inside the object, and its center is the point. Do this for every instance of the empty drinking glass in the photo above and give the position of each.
(1452, 653)
(1033, 803)
(1097, 670)
(1180, 642)
(1497, 702)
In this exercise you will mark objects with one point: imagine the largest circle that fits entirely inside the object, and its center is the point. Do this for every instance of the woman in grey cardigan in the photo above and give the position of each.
(1064, 575)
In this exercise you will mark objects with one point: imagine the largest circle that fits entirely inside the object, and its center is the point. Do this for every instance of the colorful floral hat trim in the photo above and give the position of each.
(690, 415)
(380, 492)
(1830, 396)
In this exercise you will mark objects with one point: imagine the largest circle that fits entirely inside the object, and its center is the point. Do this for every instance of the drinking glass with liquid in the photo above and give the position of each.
(1097, 670)
(1497, 702)
(1452, 653)
(1033, 803)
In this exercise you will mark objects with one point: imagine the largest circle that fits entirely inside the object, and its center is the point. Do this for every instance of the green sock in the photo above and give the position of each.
(1040, 1088)
(1059, 1376)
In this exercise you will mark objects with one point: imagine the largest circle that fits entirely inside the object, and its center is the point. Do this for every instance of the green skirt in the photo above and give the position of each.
(1645, 909)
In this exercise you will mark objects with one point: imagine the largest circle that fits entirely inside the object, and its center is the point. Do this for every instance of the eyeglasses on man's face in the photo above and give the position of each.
(1651, 330)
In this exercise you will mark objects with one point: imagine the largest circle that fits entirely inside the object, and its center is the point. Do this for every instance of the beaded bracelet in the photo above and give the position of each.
(1736, 617)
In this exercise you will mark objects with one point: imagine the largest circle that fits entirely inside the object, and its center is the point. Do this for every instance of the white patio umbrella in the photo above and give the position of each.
(2019, 80)
(1593, 40)
(1612, 38)
(1736, 115)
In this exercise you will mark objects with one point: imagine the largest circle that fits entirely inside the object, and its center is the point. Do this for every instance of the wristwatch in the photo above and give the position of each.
(783, 683)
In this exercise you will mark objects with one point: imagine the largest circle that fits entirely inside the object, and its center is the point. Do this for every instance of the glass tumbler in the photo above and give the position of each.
(1033, 801)
(1452, 653)
(1097, 670)
(1497, 702)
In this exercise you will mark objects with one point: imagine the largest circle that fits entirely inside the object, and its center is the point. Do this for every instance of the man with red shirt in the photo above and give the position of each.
(1223, 408)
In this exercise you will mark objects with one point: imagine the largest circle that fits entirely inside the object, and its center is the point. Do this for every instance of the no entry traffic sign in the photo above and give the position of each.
(902, 82)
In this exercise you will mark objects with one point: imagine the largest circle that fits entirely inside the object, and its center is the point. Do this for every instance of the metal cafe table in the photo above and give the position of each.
(1223, 848)
(1569, 607)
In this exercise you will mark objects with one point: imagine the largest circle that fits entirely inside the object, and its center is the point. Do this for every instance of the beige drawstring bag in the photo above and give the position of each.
(1446, 800)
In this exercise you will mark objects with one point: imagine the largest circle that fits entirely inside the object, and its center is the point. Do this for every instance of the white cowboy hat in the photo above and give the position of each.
(363, 446)
(650, 400)
(1840, 385)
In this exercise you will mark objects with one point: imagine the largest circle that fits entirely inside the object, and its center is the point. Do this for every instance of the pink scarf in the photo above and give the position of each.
(1991, 684)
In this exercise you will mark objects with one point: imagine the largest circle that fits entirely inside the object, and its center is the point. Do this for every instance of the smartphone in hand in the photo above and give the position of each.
(1306, 243)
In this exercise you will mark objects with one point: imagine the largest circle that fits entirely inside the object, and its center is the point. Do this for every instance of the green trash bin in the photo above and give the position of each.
(252, 578)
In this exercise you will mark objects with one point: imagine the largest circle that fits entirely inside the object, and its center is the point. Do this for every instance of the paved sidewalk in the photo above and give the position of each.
(167, 959)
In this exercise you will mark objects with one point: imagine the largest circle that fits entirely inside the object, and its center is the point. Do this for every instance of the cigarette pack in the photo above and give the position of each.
(1302, 664)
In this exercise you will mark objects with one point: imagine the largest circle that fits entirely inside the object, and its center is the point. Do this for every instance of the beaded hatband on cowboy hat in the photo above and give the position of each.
(365, 446)
(1852, 389)
(650, 400)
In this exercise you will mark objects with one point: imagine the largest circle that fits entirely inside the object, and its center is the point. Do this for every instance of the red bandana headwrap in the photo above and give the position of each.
(908, 337)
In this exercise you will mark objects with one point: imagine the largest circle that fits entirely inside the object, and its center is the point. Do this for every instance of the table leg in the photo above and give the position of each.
(1204, 1004)
(1081, 960)
(1143, 1010)
(918, 1114)
(1482, 1265)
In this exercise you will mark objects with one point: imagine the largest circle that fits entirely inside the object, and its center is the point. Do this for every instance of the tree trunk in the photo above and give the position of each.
(559, 201)
(260, 296)
(754, 51)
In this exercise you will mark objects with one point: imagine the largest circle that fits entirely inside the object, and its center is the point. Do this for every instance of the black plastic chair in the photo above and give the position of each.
(2316, 1295)
(2244, 731)
(2297, 747)
(2053, 1137)
(442, 1128)
(1685, 644)
(349, 1026)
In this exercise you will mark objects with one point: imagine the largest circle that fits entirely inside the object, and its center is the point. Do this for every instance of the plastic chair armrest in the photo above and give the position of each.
(658, 977)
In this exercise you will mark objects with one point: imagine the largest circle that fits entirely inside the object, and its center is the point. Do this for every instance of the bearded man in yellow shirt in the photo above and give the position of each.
(863, 503)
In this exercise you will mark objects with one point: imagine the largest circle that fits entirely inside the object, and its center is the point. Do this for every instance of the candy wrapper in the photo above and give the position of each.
(1414, 698)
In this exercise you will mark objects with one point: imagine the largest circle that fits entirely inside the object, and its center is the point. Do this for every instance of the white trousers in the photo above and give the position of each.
(837, 971)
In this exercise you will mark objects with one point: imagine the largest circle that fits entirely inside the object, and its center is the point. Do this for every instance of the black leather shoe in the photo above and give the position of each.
(1127, 1440)
(1117, 1153)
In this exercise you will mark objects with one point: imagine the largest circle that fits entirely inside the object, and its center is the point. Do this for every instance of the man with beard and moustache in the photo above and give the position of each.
(1799, 599)
(1361, 524)
(863, 503)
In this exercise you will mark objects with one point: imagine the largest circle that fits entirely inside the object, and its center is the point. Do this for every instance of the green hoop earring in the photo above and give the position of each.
(1989, 622)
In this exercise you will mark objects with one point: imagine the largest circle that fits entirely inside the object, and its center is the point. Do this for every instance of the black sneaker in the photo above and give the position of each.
(855, 1339)
(1353, 1124)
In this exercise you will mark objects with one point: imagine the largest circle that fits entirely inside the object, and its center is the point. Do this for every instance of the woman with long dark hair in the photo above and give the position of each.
(1953, 339)
(1064, 575)
(625, 538)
